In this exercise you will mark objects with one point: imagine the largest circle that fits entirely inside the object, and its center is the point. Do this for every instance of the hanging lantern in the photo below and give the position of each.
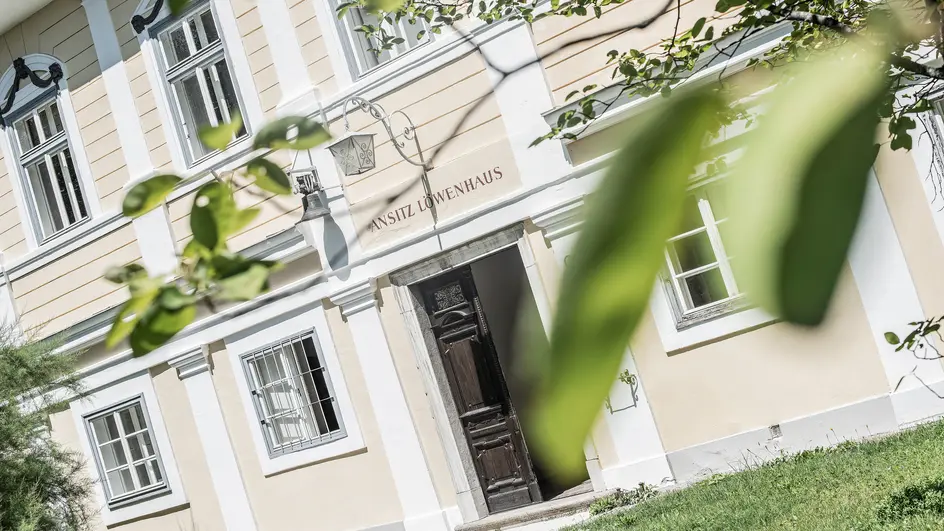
(354, 153)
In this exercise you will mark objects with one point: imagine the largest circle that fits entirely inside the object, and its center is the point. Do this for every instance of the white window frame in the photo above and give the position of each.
(354, 51)
(295, 323)
(141, 386)
(29, 99)
(683, 328)
(241, 74)
(156, 489)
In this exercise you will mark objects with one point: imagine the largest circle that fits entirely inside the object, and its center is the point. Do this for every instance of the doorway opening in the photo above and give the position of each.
(474, 313)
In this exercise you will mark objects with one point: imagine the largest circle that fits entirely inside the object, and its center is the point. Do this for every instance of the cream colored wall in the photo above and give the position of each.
(350, 492)
(12, 237)
(578, 66)
(260, 58)
(902, 184)
(411, 379)
(71, 289)
(63, 430)
(312, 41)
(752, 380)
(204, 511)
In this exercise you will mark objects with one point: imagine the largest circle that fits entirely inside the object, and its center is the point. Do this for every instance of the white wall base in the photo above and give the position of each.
(436, 521)
(919, 404)
(870, 417)
(652, 471)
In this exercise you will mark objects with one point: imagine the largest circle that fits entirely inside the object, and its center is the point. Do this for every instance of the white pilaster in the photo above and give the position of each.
(631, 424)
(421, 508)
(194, 370)
(158, 251)
(891, 301)
(523, 97)
(290, 68)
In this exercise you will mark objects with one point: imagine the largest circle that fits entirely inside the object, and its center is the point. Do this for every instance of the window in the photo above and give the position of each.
(364, 50)
(201, 88)
(699, 270)
(48, 169)
(293, 396)
(124, 450)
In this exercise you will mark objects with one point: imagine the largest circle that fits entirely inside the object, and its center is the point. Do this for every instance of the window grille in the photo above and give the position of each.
(365, 51)
(201, 87)
(49, 170)
(125, 453)
(292, 392)
(700, 271)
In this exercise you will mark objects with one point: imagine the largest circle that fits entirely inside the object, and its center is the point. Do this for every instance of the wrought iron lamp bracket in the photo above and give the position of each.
(378, 113)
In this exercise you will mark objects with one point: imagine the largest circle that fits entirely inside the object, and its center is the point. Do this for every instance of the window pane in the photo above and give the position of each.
(209, 27)
(27, 134)
(140, 446)
(74, 180)
(691, 219)
(132, 419)
(194, 108)
(718, 199)
(50, 218)
(214, 92)
(175, 46)
(56, 119)
(105, 429)
(229, 93)
(113, 455)
(64, 184)
(119, 482)
(705, 288)
(692, 252)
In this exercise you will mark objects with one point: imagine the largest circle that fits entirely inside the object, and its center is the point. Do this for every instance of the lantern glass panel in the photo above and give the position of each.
(354, 153)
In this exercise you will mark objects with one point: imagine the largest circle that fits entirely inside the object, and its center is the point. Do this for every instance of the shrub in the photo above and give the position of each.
(623, 498)
(925, 498)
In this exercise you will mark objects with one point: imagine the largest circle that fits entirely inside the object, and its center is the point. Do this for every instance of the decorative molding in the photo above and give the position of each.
(140, 23)
(356, 298)
(25, 72)
(560, 221)
(191, 363)
(469, 252)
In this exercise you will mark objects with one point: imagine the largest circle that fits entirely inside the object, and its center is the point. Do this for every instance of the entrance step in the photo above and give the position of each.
(558, 507)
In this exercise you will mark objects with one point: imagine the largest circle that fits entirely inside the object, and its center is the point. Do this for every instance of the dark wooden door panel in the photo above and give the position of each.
(478, 388)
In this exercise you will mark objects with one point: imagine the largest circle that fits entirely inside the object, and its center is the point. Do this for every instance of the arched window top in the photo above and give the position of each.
(28, 79)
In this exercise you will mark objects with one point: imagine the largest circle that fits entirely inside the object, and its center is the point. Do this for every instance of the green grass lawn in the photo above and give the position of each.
(841, 488)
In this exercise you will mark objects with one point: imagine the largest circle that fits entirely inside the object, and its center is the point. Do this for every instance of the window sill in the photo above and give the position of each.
(721, 322)
(350, 444)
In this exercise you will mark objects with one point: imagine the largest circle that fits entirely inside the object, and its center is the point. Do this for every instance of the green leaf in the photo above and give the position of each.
(892, 338)
(292, 132)
(699, 24)
(129, 315)
(158, 326)
(243, 218)
(387, 6)
(606, 286)
(177, 6)
(171, 298)
(220, 136)
(146, 195)
(211, 215)
(246, 285)
(797, 192)
(269, 176)
(125, 273)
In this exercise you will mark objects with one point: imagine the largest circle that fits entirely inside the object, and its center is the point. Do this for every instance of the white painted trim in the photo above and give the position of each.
(290, 67)
(327, 20)
(140, 384)
(193, 368)
(19, 194)
(401, 443)
(675, 340)
(159, 90)
(888, 295)
(252, 338)
(118, 88)
(239, 62)
(77, 145)
(523, 98)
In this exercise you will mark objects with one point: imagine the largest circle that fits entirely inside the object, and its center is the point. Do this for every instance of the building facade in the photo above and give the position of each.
(374, 386)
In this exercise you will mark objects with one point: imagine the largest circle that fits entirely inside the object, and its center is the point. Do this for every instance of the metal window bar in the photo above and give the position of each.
(293, 396)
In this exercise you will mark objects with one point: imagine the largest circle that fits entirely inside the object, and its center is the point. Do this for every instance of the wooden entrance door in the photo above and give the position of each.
(478, 387)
